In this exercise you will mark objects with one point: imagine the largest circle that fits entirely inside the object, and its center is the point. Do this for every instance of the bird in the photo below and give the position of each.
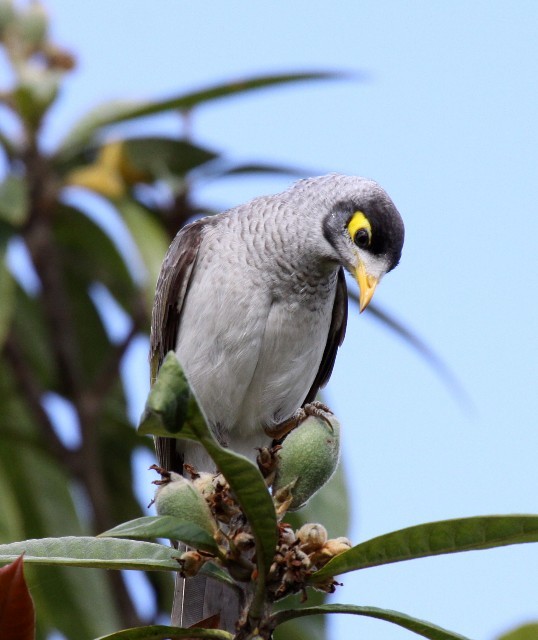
(254, 303)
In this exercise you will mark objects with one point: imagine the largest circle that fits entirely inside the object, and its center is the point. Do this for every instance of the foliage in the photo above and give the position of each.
(57, 349)
(262, 518)
(56, 346)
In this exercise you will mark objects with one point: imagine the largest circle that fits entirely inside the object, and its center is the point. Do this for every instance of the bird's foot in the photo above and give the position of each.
(267, 462)
(192, 471)
(165, 475)
(318, 409)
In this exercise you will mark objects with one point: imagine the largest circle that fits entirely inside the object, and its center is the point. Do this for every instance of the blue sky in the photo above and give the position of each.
(445, 119)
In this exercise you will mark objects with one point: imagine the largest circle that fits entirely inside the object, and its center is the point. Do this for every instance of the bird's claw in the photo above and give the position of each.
(316, 408)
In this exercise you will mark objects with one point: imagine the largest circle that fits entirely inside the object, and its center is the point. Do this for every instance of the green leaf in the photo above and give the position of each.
(432, 539)
(14, 200)
(244, 478)
(7, 296)
(151, 240)
(161, 157)
(422, 628)
(90, 255)
(115, 112)
(165, 527)
(85, 551)
(263, 168)
(32, 335)
(93, 344)
(525, 632)
(168, 402)
(160, 632)
(66, 599)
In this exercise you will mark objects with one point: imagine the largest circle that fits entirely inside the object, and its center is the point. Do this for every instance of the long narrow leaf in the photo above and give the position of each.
(116, 112)
(432, 539)
(160, 632)
(422, 628)
(96, 553)
(164, 527)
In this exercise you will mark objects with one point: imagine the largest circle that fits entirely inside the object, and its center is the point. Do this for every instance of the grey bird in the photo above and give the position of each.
(254, 303)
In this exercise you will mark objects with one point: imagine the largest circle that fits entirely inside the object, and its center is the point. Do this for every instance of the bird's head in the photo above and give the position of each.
(366, 231)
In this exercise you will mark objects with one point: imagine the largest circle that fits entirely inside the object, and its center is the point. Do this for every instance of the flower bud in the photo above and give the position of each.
(244, 541)
(32, 25)
(336, 546)
(312, 537)
(308, 457)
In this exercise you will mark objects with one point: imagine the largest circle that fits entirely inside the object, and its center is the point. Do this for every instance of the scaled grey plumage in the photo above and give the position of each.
(254, 302)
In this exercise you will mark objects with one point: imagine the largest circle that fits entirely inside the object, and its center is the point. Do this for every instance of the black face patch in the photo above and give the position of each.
(386, 223)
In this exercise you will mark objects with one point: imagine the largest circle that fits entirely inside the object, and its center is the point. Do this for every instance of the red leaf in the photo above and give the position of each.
(17, 616)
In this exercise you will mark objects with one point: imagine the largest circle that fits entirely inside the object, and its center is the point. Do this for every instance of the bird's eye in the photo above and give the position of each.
(362, 238)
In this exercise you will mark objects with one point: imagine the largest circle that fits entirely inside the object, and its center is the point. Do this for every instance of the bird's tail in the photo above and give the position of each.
(200, 598)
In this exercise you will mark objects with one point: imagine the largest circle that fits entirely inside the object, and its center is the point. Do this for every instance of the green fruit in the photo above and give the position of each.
(308, 458)
(181, 499)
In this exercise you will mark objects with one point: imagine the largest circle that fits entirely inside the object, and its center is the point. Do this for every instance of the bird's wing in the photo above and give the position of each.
(170, 293)
(337, 331)
(199, 597)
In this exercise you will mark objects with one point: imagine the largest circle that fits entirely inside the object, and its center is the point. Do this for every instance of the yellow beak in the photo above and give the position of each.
(367, 285)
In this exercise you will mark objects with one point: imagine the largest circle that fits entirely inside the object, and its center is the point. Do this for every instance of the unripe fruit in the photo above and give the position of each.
(308, 458)
(181, 499)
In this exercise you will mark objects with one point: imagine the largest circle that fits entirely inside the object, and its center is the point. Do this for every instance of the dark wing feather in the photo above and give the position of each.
(170, 293)
(337, 332)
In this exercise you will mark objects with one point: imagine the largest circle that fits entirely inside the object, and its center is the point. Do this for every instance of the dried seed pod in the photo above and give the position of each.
(308, 457)
(191, 562)
(244, 541)
(287, 535)
(180, 498)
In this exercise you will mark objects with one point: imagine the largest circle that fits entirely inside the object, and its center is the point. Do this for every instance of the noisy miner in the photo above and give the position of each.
(254, 303)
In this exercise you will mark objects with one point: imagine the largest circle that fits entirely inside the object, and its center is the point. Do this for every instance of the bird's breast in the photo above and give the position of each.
(251, 341)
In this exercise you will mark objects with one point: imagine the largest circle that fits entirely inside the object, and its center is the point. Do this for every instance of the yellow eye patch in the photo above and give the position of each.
(359, 221)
